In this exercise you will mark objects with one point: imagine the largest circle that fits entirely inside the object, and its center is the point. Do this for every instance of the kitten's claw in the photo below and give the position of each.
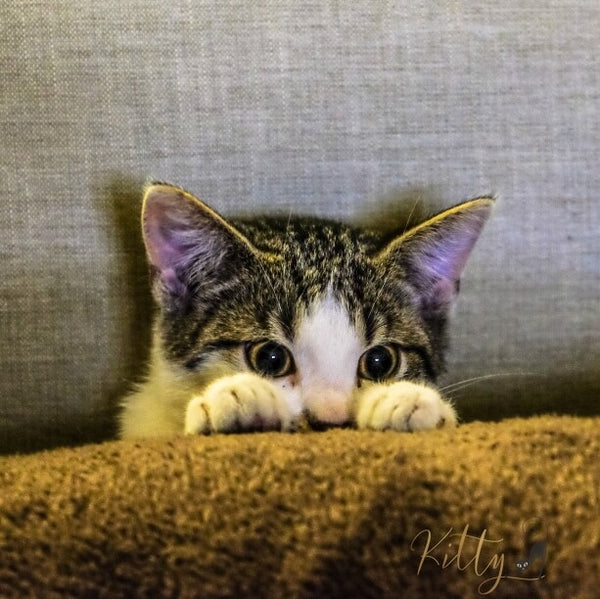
(403, 406)
(241, 402)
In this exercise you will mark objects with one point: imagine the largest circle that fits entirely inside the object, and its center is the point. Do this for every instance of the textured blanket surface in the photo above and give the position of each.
(335, 514)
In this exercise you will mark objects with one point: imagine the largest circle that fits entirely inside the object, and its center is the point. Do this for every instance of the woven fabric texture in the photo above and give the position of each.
(339, 109)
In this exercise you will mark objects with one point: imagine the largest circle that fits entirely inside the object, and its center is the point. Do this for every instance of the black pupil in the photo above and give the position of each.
(378, 363)
(271, 359)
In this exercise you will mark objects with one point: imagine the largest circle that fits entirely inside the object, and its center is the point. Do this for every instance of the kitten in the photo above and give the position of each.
(267, 323)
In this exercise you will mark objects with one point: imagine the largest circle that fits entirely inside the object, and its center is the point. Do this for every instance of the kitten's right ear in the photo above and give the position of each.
(433, 254)
(191, 249)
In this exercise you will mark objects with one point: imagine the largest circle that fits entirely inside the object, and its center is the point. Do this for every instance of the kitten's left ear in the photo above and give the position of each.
(432, 255)
(193, 252)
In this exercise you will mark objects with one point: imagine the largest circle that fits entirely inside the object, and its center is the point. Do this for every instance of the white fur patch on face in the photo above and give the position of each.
(326, 350)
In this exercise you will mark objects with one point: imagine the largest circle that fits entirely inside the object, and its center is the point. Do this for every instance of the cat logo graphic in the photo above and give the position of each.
(535, 534)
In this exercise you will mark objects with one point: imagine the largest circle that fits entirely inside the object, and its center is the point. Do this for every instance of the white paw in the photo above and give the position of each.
(241, 402)
(403, 406)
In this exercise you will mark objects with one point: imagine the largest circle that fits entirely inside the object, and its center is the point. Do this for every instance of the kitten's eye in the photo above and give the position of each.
(270, 358)
(379, 363)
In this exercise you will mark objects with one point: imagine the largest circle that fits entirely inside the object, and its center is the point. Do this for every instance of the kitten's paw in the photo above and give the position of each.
(241, 402)
(403, 406)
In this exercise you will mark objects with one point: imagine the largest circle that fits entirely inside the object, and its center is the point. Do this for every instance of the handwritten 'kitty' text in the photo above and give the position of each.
(464, 551)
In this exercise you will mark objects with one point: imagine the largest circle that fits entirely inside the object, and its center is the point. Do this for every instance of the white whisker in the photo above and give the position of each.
(459, 385)
(406, 225)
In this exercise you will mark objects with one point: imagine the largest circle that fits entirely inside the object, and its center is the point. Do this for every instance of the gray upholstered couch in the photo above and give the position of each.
(338, 109)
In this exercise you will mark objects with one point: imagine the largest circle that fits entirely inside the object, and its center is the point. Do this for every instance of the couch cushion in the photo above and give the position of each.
(337, 514)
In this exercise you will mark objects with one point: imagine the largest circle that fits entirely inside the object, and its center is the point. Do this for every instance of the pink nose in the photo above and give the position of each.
(329, 407)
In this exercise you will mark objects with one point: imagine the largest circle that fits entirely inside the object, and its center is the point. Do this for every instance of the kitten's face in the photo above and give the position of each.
(318, 307)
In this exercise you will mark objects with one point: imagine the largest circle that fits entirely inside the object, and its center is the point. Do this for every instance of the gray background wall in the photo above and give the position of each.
(339, 109)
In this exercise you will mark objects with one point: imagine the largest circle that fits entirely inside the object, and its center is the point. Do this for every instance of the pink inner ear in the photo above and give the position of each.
(170, 234)
(436, 264)
(172, 283)
(439, 297)
(444, 258)
(166, 247)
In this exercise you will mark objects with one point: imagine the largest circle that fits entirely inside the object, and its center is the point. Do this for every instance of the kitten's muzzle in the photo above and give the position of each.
(327, 409)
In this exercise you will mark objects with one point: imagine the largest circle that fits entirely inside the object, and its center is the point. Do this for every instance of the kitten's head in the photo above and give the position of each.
(319, 307)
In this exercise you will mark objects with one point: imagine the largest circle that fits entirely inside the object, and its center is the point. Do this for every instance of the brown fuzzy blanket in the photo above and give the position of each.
(336, 514)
